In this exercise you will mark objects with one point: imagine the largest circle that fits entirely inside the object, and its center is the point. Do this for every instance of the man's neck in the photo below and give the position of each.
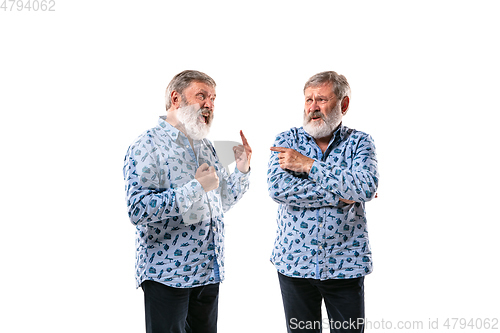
(172, 118)
(174, 121)
(323, 142)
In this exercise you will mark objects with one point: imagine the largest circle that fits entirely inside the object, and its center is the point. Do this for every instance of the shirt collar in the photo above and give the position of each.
(173, 132)
(167, 128)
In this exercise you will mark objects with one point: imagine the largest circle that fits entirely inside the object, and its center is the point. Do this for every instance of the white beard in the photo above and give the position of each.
(325, 126)
(189, 117)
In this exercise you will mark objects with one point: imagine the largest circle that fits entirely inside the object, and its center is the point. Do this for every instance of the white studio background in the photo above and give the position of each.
(78, 85)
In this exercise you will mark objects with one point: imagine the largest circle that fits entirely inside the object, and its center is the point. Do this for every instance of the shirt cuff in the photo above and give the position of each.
(243, 176)
(194, 191)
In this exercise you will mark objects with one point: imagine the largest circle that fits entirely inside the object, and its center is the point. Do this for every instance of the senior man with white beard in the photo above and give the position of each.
(177, 192)
(321, 175)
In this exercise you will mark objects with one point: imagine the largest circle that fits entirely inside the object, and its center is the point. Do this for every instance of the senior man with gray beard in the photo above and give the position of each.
(177, 192)
(322, 174)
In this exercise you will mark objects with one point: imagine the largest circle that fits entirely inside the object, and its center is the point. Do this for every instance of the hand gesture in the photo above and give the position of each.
(242, 154)
(292, 160)
(207, 177)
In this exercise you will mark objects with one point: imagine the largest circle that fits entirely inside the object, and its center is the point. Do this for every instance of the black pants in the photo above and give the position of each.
(344, 302)
(180, 310)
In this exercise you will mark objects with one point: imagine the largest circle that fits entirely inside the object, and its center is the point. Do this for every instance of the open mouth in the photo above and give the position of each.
(204, 118)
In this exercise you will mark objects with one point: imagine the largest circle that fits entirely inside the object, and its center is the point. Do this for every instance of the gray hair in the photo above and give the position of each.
(182, 80)
(340, 86)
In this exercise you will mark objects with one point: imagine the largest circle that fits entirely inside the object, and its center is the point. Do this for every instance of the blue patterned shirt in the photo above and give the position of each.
(319, 236)
(179, 227)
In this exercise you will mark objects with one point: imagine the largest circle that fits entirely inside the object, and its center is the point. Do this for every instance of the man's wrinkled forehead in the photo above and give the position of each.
(202, 87)
(321, 90)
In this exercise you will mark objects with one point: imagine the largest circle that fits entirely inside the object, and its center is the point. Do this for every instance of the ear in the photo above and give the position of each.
(175, 99)
(344, 105)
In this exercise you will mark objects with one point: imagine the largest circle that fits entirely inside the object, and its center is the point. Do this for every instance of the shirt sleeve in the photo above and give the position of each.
(359, 182)
(292, 189)
(148, 194)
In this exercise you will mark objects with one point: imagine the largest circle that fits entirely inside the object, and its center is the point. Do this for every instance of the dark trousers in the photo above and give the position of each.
(344, 302)
(180, 310)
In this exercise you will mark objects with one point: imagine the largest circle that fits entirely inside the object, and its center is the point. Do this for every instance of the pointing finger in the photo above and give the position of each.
(280, 149)
(243, 138)
(244, 141)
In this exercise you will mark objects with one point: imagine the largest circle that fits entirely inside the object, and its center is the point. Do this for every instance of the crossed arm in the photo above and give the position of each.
(291, 160)
(325, 182)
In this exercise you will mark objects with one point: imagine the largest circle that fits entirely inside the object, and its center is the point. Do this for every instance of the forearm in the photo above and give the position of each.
(233, 187)
(149, 192)
(151, 205)
(347, 184)
(357, 181)
(285, 188)
(294, 188)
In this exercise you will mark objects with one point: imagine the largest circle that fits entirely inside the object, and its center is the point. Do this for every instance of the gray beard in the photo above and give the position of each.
(188, 116)
(326, 126)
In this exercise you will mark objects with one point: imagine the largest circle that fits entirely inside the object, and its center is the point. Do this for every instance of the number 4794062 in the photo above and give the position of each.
(28, 5)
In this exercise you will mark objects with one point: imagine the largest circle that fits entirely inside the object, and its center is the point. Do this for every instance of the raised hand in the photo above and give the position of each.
(242, 154)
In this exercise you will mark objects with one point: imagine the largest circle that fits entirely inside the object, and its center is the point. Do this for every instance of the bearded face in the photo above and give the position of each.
(196, 120)
(317, 125)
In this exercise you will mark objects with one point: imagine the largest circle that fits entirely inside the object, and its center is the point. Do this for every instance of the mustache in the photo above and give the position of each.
(315, 114)
(205, 112)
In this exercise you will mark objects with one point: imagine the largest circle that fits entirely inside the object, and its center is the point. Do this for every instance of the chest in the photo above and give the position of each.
(179, 160)
(340, 152)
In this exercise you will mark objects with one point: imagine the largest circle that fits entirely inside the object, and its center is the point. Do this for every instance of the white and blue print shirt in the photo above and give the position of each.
(179, 227)
(319, 236)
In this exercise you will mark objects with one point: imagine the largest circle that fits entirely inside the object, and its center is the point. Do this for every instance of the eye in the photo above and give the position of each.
(308, 100)
(200, 96)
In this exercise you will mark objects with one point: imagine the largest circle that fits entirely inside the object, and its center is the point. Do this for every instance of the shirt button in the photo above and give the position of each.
(320, 247)
(321, 226)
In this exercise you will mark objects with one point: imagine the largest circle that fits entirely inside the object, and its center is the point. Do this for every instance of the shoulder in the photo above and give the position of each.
(358, 139)
(144, 137)
(294, 134)
(146, 140)
(355, 134)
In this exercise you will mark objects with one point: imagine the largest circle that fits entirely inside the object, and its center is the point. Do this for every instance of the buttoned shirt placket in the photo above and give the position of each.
(213, 226)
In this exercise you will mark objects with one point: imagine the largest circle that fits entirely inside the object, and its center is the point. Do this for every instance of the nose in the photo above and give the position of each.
(209, 104)
(313, 106)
